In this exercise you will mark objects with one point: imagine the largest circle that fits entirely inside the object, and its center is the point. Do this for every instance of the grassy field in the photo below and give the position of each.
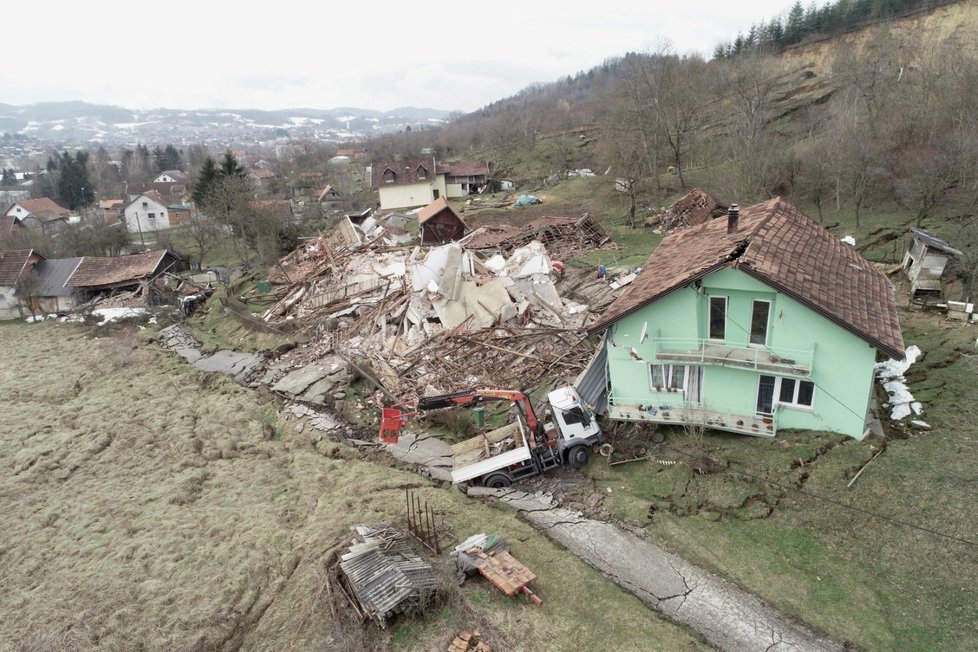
(149, 506)
(776, 516)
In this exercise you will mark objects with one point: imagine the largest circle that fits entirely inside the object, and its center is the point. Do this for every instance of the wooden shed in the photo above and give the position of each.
(924, 263)
(439, 223)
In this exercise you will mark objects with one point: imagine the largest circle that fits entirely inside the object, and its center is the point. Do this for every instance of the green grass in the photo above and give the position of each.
(860, 578)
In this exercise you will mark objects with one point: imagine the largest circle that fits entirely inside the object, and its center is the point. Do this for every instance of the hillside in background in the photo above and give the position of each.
(881, 115)
(68, 123)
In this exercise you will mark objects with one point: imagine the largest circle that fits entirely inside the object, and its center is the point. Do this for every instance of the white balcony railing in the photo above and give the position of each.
(797, 362)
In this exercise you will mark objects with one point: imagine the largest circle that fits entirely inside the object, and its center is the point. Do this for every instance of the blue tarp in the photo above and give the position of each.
(526, 200)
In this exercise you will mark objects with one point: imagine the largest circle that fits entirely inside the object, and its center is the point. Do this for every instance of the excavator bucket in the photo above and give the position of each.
(392, 420)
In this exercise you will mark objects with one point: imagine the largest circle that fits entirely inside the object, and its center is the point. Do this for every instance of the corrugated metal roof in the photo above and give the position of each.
(592, 384)
(933, 241)
(53, 274)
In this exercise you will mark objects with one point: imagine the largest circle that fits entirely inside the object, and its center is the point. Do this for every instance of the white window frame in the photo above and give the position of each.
(767, 326)
(709, 315)
(667, 370)
(776, 401)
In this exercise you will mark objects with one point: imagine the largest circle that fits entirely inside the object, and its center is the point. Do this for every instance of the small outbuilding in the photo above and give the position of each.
(439, 223)
(924, 263)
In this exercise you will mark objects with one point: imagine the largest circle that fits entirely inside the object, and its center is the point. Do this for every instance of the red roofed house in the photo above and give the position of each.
(15, 266)
(439, 224)
(40, 214)
(749, 324)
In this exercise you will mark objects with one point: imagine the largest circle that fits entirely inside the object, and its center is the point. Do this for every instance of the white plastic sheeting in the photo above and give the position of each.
(891, 374)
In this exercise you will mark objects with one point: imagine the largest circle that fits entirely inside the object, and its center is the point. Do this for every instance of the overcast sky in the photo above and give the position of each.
(376, 55)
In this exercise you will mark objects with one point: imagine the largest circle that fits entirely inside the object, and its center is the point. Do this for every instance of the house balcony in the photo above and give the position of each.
(794, 362)
(678, 414)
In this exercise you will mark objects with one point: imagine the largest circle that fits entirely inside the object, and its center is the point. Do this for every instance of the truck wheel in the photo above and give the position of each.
(579, 456)
(497, 481)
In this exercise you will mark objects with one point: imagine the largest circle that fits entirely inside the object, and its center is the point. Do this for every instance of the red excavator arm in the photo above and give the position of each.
(392, 418)
(478, 396)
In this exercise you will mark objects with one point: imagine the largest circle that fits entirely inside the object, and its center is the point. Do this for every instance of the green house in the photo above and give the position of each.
(760, 321)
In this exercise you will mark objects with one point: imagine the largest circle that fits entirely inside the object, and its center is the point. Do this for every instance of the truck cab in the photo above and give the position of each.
(576, 426)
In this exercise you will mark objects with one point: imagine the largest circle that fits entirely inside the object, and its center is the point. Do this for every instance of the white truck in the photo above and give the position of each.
(526, 447)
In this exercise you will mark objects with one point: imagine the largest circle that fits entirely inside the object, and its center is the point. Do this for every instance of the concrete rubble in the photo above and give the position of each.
(242, 366)
(442, 318)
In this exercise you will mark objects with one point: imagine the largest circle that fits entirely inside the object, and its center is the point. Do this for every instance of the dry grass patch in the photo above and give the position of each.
(144, 507)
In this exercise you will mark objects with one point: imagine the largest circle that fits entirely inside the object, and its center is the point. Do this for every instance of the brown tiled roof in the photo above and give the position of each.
(12, 265)
(404, 171)
(7, 224)
(465, 168)
(99, 271)
(262, 173)
(694, 208)
(490, 237)
(44, 208)
(436, 207)
(784, 249)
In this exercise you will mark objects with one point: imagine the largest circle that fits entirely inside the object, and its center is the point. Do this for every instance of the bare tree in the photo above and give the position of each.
(683, 90)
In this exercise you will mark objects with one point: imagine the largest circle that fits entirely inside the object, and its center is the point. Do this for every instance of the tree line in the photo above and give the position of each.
(812, 21)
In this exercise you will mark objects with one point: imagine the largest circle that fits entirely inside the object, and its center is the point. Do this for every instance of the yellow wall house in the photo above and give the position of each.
(406, 184)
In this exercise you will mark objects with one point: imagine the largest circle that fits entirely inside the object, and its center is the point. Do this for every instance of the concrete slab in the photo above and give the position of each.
(297, 381)
(238, 364)
(724, 614)
(431, 453)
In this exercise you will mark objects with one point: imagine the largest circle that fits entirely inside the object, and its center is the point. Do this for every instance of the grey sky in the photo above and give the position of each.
(380, 55)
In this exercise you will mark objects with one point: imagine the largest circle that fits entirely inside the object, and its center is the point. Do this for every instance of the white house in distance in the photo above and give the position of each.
(151, 211)
(170, 176)
(418, 182)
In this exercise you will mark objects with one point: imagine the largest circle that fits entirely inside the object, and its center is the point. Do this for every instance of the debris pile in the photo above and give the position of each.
(447, 313)
(563, 237)
(466, 641)
(490, 557)
(891, 374)
(384, 577)
(694, 208)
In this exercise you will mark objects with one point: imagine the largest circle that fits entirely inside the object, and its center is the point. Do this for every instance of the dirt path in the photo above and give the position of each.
(728, 617)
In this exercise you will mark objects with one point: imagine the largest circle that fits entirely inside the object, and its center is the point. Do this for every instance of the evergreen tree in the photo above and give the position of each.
(230, 166)
(205, 181)
(73, 187)
(8, 178)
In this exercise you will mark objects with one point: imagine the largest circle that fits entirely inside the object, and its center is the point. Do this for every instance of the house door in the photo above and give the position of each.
(694, 385)
(765, 395)
(434, 193)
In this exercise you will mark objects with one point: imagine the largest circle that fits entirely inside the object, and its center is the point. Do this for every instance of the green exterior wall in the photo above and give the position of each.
(842, 364)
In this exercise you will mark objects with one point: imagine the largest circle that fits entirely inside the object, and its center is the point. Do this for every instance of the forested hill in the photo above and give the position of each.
(881, 113)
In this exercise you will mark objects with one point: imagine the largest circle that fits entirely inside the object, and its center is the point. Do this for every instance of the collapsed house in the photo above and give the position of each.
(692, 209)
(563, 237)
(446, 316)
(924, 263)
(133, 274)
(384, 576)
